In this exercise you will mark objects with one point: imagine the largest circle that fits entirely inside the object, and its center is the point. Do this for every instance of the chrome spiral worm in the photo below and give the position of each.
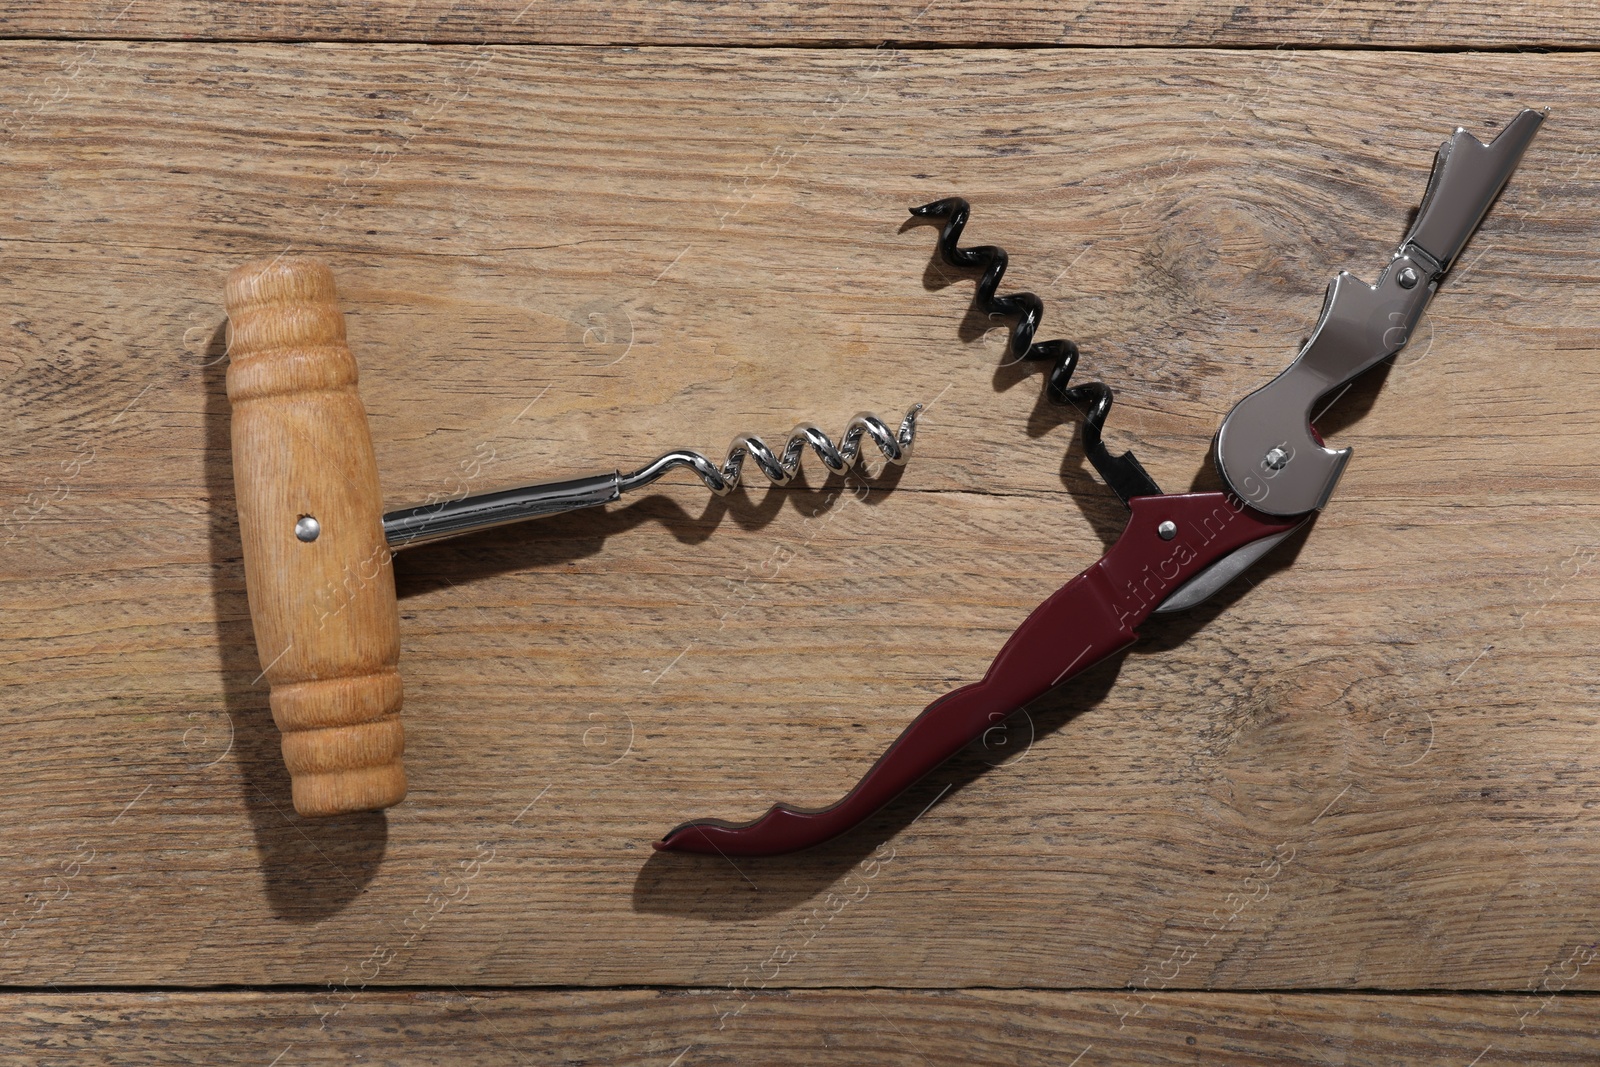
(459, 515)
(780, 468)
(1124, 474)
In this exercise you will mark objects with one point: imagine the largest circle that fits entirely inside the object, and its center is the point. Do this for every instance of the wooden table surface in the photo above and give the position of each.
(1346, 813)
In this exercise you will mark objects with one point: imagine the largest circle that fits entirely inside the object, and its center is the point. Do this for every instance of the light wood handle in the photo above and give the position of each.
(326, 623)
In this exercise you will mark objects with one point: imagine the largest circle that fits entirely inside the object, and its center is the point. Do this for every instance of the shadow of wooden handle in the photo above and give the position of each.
(317, 568)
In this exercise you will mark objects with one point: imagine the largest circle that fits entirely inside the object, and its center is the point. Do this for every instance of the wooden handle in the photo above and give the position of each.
(323, 604)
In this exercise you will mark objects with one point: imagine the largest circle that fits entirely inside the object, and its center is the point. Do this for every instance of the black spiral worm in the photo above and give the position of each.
(1025, 309)
(1124, 474)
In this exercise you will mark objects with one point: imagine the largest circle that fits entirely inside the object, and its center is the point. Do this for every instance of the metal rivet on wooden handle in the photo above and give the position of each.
(317, 568)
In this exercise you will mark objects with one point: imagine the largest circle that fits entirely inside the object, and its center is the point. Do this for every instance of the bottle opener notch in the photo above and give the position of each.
(1266, 449)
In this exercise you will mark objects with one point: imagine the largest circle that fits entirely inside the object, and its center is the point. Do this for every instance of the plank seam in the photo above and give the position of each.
(823, 44)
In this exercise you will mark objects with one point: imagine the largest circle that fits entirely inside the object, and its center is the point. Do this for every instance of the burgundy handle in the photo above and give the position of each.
(1080, 624)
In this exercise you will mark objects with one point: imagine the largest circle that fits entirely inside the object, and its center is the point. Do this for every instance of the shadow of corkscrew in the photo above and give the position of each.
(313, 868)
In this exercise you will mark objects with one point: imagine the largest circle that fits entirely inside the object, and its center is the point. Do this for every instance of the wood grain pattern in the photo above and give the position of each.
(1370, 767)
(696, 1027)
(1470, 24)
(322, 607)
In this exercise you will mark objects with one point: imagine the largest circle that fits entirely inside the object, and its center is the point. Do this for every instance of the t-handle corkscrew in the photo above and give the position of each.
(317, 551)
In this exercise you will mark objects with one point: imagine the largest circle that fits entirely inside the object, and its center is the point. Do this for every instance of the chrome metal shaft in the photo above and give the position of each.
(449, 518)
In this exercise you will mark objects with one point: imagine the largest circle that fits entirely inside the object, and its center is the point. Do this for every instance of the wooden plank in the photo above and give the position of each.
(689, 1028)
(1463, 24)
(1369, 767)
